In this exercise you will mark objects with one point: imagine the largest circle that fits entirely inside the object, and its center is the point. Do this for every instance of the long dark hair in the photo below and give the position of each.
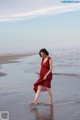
(44, 51)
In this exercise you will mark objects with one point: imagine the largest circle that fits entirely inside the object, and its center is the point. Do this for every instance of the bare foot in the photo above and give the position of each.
(35, 103)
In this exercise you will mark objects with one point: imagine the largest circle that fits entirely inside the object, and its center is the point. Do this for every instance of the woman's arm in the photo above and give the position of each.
(50, 70)
(39, 70)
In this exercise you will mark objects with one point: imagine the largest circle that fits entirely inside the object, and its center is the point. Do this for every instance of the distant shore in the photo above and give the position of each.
(9, 58)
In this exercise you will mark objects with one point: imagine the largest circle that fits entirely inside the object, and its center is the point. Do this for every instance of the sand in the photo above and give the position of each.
(10, 58)
(2, 74)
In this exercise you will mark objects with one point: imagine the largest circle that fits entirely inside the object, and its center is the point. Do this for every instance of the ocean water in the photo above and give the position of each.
(66, 61)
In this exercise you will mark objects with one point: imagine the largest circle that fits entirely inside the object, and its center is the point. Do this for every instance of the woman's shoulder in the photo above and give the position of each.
(50, 57)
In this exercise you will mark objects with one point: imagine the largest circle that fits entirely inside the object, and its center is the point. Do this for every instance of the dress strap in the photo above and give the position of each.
(49, 57)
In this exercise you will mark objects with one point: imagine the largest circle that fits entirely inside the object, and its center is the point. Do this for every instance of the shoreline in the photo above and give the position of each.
(9, 58)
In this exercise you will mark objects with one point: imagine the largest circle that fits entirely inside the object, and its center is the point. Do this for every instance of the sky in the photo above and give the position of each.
(29, 25)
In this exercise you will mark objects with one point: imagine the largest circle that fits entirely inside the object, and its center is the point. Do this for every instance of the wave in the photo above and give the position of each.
(76, 65)
(65, 74)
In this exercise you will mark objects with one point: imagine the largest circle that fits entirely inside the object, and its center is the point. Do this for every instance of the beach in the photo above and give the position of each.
(16, 88)
(10, 58)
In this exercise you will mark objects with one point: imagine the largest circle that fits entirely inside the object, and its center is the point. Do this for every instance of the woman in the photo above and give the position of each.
(45, 76)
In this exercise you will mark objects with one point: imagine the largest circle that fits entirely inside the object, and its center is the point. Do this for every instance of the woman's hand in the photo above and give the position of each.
(45, 77)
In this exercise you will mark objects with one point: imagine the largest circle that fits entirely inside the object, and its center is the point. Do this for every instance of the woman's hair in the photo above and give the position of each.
(44, 51)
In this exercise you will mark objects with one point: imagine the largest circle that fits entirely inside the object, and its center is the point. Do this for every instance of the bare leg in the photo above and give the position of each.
(37, 94)
(50, 95)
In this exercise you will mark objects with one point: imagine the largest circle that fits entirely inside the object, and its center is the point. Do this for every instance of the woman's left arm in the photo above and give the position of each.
(50, 70)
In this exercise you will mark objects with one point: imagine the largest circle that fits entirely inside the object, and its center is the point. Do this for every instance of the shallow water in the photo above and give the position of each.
(16, 89)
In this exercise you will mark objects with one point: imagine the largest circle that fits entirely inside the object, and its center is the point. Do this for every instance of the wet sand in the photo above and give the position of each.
(2, 74)
(10, 58)
(66, 101)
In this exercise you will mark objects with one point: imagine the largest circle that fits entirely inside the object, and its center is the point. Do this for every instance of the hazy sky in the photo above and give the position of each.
(32, 24)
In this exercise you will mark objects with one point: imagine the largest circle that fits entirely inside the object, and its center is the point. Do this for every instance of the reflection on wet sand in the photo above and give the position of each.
(44, 112)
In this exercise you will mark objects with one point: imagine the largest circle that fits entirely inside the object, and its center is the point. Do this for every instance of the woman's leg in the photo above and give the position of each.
(37, 94)
(50, 95)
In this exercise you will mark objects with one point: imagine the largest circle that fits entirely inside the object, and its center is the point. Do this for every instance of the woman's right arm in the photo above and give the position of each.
(40, 69)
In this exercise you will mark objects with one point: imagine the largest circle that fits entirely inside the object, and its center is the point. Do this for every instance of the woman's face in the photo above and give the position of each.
(42, 54)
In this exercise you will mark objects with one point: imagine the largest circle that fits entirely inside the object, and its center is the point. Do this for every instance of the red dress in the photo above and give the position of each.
(45, 83)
